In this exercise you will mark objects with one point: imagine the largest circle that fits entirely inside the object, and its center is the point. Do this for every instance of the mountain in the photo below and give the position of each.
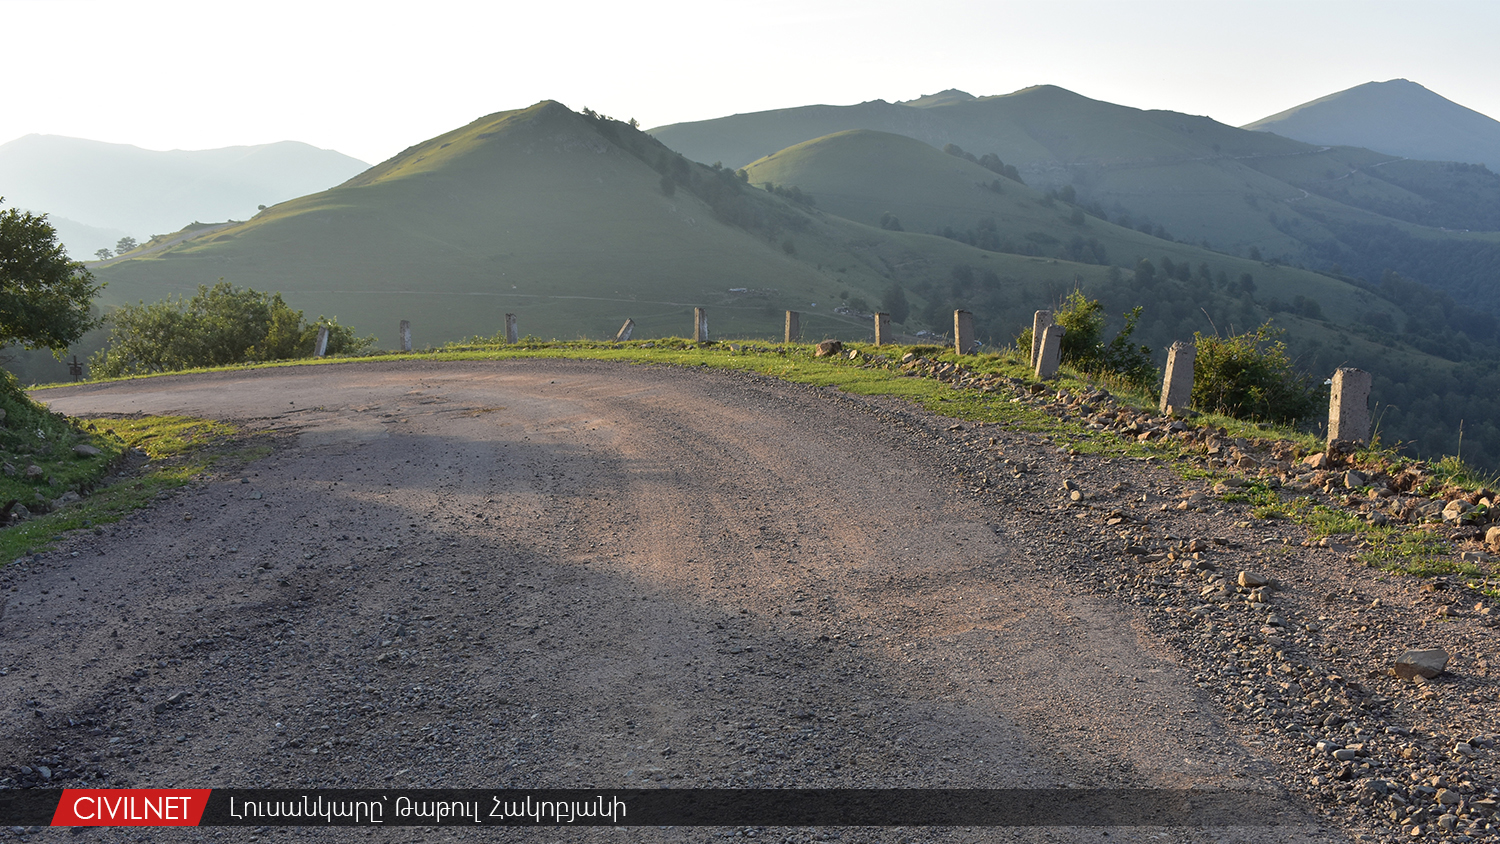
(576, 222)
(139, 192)
(1187, 178)
(1397, 117)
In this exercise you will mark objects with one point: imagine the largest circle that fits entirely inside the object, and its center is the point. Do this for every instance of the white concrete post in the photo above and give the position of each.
(322, 345)
(700, 325)
(405, 335)
(963, 332)
(1177, 385)
(882, 329)
(1050, 355)
(1039, 322)
(512, 334)
(1349, 407)
(793, 326)
(625, 331)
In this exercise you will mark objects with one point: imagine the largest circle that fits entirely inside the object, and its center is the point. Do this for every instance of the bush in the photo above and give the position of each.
(219, 326)
(1248, 376)
(1083, 345)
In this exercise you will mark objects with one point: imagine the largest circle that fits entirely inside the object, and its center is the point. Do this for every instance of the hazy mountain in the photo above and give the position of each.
(129, 190)
(1397, 117)
(1188, 178)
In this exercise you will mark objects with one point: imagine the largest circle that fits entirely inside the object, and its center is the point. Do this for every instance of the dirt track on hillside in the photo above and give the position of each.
(569, 574)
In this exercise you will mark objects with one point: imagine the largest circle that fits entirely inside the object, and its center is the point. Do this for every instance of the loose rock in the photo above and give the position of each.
(1427, 663)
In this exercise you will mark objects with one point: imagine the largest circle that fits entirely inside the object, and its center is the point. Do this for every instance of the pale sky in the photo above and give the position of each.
(369, 79)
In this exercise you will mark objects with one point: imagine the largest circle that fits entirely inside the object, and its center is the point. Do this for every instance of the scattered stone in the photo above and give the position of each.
(86, 451)
(1316, 461)
(1354, 480)
(827, 348)
(1492, 539)
(1427, 663)
(35, 471)
(1448, 797)
(1251, 580)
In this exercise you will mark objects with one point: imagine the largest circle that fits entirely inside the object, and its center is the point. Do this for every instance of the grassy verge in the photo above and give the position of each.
(179, 448)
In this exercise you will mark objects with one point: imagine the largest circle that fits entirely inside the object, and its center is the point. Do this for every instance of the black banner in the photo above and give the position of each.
(675, 807)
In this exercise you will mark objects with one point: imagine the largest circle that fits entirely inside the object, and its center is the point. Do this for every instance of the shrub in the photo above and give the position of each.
(220, 325)
(1249, 376)
(1083, 345)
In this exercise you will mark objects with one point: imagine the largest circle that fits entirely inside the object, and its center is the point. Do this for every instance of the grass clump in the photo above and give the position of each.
(180, 448)
(38, 463)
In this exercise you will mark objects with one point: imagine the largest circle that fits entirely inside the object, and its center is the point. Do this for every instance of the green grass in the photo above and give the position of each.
(181, 449)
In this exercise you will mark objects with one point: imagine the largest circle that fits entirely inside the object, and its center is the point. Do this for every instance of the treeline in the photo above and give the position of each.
(988, 161)
(1453, 195)
(1463, 268)
(218, 326)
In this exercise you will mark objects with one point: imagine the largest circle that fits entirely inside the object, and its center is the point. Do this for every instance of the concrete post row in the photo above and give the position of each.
(1177, 386)
(405, 335)
(700, 325)
(793, 327)
(512, 334)
(1349, 407)
(1050, 355)
(882, 329)
(322, 345)
(625, 331)
(963, 332)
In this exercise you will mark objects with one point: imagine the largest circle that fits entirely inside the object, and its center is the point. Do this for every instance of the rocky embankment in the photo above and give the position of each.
(1374, 690)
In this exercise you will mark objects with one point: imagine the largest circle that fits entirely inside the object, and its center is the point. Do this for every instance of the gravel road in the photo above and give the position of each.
(570, 574)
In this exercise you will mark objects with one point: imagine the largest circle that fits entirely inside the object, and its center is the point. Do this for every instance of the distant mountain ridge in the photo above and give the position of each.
(1398, 117)
(121, 188)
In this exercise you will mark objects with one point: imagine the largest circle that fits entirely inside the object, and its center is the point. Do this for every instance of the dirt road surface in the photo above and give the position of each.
(570, 574)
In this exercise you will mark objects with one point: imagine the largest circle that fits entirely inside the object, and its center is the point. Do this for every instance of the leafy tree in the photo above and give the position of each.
(103, 254)
(1145, 273)
(45, 298)
(895, 304)
(220, 325)
(890, 222)
(125, 244)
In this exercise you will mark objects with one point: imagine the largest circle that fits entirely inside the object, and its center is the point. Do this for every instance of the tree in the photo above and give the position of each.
(45, 298)
(1145, 273)
(220, 325)
(895, 303)
(104, 254)
(125, 244)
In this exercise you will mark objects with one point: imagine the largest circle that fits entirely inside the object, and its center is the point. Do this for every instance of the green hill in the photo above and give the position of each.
(534, 212)
(1189, 178)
